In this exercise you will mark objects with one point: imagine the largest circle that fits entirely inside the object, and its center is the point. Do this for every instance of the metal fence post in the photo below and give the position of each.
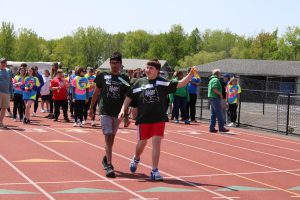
(288, 114)
(201, 104)
(239, 116)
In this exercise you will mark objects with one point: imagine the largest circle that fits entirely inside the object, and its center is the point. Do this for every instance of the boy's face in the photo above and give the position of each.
(151, 72)
(115, 66)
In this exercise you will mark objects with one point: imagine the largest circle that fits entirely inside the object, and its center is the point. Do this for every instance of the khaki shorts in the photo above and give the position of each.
(110, 125)
(4, 100)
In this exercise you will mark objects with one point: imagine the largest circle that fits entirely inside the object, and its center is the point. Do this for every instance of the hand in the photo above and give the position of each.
(121, 115)
(73, 100)
(86, 101)
(126, 121)
(91, 113)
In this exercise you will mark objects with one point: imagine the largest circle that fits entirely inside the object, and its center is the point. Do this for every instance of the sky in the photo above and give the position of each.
(54, 19)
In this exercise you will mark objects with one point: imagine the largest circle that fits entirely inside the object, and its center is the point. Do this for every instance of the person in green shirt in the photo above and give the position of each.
(215, 96)
(151, 94)
(112, 87)
(179, 100)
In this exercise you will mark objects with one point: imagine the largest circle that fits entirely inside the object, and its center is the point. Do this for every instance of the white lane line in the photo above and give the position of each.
(27, 178)
(222, 198)
(166, 177)
(246, 140)
(147, 166)
(269, 154)
(82, 166)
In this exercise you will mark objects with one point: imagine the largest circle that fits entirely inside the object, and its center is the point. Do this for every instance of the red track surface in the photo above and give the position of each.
(206, 166)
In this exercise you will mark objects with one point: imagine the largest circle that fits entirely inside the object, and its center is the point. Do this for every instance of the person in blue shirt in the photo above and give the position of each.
(192, 90)
(38, 92)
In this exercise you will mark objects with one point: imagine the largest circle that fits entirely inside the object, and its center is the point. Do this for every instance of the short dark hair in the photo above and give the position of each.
(154, 63)
(116, 56)
(24, 65)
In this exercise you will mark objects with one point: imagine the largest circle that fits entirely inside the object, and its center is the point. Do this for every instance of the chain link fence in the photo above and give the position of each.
(275, 110)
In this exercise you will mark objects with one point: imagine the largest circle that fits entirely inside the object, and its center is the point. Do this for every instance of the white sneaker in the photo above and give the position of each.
(14, 119)
(42, 110)
(230, 124)
(75, 124)
(34, 114)
(80, 125)
(83, 122)
(93, 123)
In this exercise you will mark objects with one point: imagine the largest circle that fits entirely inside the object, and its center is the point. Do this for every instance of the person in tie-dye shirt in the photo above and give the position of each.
(91, 85)
(80, 95)
(233, 91)
(30, 85)
(18, 94)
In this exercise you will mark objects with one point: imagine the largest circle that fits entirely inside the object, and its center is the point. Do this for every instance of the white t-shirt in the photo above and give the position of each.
(45, 89)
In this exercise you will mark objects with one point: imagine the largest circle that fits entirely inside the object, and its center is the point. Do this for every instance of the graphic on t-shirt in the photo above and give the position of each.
(113, 89)
(151, 96)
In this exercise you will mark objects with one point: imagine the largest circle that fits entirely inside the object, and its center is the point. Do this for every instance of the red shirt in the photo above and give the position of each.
(62, 93)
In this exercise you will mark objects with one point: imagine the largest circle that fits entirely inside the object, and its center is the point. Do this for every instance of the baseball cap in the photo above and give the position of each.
(226, 75)
(2, 59)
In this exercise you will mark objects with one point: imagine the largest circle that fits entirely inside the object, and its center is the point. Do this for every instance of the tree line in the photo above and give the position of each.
(92, 46)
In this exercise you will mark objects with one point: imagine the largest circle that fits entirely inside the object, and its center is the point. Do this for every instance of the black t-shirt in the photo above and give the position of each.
(113, 91)
(151, 96)
(223, 84)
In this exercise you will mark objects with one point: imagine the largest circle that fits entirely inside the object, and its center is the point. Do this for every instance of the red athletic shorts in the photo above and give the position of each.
(146, 131)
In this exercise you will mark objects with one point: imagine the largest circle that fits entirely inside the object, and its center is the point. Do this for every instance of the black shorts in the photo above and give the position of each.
(45, 97)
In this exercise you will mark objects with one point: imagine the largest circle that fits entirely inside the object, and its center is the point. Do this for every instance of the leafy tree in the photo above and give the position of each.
(7, 40)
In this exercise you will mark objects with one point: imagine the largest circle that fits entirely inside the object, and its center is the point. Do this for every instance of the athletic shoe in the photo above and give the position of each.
(213, 131)
(48, 111)
(83, 122)
(55, 120)
(110, 171)
(155, 175)
(224, 130)
(93, 123)
(42, 110)
(80, 124)
(133, 164)
(9, 114)
(67, 120)
(21, 119)
(34, 114)
(24, 120)
(104, 162)
(2, 125)
(75, 124)
(194, 121)
(14, 119)
(186, 121)
(177, 121)
(230, 124)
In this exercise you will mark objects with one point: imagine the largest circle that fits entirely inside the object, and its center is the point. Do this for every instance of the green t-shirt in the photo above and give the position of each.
(151, 96)
(214, 83)
(113, 91)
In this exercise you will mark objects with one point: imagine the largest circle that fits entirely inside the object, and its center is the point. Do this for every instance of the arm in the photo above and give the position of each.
(218, 93)
(94, 99)
(125, 107)
(186, 79)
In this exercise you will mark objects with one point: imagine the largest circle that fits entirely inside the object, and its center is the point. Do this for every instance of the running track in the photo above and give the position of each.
(47, 160)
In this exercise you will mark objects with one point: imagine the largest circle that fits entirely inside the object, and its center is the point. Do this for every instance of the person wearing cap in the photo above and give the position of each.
(215, 96)
(91, 86)
(6, 89)
(224, 81)
(112, 87)
(151, 94)
(233, 91)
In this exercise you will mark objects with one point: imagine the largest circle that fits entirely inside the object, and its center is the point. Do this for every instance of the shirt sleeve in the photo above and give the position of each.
(132, 91)
(172, 87)
(98, 82)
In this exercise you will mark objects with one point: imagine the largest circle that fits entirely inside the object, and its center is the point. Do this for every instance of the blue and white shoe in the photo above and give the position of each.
(133, 164)
(155, 175)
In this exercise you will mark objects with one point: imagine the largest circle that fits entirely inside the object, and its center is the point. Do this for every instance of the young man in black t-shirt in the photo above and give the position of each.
(151, 94)
(112, 87)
